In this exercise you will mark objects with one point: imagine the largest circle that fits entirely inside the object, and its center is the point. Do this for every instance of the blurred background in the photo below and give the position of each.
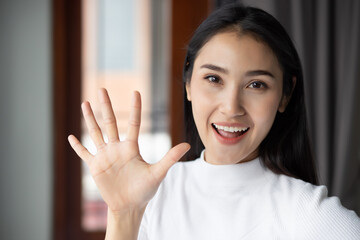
(56, 53)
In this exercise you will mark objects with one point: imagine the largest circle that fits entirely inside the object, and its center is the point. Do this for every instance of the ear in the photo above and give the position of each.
(286, 99)
(188, 92)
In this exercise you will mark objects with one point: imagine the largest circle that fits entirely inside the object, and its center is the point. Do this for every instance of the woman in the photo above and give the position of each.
(254, 176)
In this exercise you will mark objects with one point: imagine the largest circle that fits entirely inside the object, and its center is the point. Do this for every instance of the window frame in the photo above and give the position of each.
(67, 31)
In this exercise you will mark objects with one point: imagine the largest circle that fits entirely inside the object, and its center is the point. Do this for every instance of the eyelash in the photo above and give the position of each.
(262, 85)
(215, 80)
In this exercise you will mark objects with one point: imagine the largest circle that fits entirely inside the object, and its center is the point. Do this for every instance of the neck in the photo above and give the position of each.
(216, 158)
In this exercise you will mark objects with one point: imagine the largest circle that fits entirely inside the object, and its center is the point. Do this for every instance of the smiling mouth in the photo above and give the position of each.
(230, 132)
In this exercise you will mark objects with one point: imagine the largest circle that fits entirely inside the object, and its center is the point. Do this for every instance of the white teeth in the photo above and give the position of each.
(230, 129)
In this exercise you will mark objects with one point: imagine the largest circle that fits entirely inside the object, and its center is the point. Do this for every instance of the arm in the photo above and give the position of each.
(126, 182)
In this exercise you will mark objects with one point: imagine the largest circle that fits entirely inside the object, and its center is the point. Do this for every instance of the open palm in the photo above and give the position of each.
(124, 179)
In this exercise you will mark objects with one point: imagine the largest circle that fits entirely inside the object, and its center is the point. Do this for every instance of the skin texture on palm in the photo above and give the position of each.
(126, 182)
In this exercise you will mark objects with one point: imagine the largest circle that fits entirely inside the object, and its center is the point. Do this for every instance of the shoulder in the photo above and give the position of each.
(311, 212)
(295, 191)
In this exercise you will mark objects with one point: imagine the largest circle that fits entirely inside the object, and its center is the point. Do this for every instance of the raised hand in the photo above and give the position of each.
(124, 179)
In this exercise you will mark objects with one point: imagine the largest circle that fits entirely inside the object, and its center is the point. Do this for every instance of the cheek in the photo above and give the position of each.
(263, 112)
(195, 104)
(202, 106)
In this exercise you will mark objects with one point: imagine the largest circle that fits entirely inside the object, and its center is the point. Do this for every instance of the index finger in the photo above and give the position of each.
(134, 118)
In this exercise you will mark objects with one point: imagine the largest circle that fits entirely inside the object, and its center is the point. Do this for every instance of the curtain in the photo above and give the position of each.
(326, 34)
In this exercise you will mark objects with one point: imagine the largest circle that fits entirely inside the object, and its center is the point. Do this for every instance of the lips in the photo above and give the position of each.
(229, 133)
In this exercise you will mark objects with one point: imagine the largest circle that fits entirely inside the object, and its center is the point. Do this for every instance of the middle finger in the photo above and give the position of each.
(108, 116)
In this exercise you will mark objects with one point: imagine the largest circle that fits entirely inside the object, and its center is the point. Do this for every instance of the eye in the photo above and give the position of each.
(213, 79)
(257, 85)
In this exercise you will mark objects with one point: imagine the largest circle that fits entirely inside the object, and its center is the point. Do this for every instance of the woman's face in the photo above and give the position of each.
(235, 91)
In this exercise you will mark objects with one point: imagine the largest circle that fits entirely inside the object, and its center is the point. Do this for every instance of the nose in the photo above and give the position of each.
(232, 103)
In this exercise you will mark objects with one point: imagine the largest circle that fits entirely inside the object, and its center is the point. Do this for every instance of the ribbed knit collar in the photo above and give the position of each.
(232, 174)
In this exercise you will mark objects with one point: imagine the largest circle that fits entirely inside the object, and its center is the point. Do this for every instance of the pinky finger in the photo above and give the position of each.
(80, 150)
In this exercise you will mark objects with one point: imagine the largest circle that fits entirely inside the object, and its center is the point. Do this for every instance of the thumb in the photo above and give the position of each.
(172, 156)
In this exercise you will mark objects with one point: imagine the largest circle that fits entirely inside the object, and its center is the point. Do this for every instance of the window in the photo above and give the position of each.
(164, 109)
(120, 54)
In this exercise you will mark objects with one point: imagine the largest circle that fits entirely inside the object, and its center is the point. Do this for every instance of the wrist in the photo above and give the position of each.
(124, 224)
(133, 214)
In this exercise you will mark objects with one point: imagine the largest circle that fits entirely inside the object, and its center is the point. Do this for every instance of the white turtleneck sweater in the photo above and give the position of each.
(201, 201)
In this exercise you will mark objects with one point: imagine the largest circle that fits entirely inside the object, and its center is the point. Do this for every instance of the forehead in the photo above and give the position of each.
(238, 52)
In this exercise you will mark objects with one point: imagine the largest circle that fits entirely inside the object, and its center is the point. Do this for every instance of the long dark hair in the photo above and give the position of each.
(286, 148)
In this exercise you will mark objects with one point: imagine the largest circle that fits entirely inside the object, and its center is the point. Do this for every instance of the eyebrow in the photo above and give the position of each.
(259, 72)
(248, 74)
(215, 68)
